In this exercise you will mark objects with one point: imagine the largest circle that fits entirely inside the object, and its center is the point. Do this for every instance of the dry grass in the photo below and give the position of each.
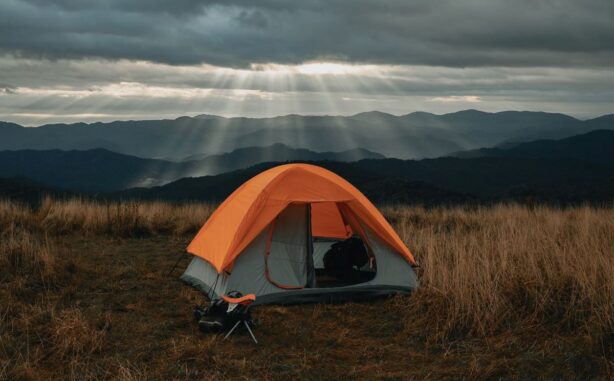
(72, 335)
(25, 254)
(124, 219)
(508, 292)
(485, 270)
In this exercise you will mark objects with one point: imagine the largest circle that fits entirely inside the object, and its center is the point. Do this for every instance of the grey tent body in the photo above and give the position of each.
(294, 255)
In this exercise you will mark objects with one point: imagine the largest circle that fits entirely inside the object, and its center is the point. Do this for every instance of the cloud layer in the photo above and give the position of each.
(69, 60)
(240, 32)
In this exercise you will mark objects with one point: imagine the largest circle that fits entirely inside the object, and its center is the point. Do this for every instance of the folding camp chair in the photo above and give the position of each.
(238, 308)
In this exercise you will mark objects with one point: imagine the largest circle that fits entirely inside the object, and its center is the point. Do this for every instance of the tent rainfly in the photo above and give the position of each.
(271, 235)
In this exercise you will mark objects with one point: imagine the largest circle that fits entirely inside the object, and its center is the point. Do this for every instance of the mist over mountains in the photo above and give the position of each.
(577, 169)
(536, 172)
(412, 136)
(101, 170)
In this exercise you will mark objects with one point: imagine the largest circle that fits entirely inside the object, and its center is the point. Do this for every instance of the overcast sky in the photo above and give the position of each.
(72, 60)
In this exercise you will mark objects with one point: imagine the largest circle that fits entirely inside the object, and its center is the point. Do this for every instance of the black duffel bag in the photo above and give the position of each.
(341, 260)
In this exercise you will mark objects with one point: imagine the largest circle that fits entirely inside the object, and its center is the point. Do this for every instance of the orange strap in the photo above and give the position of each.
(246, 299)
(267, 251)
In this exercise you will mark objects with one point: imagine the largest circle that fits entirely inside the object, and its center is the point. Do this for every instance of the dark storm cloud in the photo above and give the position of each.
(175, 7)
(239, 32)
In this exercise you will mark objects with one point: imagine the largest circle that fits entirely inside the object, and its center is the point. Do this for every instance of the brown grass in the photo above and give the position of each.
(485, 270)
(508, 292)
(72, 335)
(25, 254)
(124, 219)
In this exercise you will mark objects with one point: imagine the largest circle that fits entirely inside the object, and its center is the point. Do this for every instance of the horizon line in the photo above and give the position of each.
(196, 116)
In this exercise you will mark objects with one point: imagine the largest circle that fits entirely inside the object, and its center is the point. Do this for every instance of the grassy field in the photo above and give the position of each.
(508, 292)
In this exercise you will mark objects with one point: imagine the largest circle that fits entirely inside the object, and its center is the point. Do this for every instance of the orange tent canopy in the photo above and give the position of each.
(254, 205)
(326, 221)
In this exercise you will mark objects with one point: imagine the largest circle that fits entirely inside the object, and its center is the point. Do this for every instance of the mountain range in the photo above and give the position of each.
(412, 136)
(468, 156)
(570, 170)
(26, 190)
(534, 171)
(100, 170)
(593, 146)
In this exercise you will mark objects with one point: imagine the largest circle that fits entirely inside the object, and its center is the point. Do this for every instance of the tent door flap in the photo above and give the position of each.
(286, 252)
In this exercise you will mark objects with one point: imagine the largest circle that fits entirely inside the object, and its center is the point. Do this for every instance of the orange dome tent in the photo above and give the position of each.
(267, 229)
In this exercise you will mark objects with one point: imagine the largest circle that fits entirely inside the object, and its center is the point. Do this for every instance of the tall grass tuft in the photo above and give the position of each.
(72, 335)
(25, 254)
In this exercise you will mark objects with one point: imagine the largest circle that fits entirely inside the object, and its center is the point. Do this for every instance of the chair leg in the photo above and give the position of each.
(250, 332)
(233, 328)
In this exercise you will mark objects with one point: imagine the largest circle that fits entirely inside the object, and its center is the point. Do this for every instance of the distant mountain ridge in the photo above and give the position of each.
(429, 181)
(282, 152)
(101, 170)
(378, 188)
(28, 191)
(597, 145)
(416, 135)
(571, 170)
